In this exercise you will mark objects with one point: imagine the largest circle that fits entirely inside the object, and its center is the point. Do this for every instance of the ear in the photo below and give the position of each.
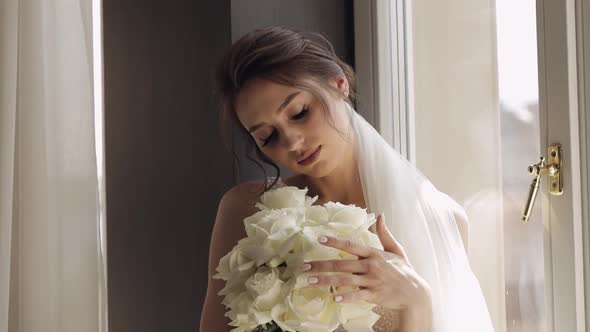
(341, 83)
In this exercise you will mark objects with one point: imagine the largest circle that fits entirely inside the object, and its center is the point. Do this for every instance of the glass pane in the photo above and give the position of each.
(519, 114)
(475, 100)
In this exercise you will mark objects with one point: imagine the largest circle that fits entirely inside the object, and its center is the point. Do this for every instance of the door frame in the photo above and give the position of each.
(383, 56)
(559, 105)
(583, 61)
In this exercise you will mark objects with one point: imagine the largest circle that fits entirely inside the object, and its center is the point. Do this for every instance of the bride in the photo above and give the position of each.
(292, 100)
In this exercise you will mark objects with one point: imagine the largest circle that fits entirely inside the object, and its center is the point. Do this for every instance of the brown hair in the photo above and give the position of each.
(284, 56)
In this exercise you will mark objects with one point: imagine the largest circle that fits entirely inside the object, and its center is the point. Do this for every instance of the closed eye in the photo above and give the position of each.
(297, 116)
(300, 114)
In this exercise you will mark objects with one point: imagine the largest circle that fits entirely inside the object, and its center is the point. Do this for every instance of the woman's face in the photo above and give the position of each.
(289, 124)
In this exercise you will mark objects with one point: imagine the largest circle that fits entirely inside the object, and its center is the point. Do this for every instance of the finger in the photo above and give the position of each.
(349, 246)
(343, 265)
(341, 280)
(356, 296)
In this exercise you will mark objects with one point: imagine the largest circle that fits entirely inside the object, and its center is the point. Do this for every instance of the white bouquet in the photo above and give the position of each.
(265, 288)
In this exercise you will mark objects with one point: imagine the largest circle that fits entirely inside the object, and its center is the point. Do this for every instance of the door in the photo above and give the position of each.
(474, 92)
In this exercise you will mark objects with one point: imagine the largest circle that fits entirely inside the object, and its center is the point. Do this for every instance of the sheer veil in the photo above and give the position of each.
(420, 218)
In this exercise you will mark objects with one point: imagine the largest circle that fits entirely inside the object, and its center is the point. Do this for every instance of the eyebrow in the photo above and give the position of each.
(283, 105)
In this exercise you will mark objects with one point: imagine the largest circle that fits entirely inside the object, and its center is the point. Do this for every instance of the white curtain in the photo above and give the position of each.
(52, 267)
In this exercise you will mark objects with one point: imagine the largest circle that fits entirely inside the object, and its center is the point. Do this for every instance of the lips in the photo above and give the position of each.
(307, 154)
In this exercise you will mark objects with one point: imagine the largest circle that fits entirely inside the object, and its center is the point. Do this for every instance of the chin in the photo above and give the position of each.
(319, 170)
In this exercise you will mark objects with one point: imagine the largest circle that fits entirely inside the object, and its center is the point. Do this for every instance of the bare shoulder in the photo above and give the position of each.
(238, 203)
(461, 219)
(244, 194)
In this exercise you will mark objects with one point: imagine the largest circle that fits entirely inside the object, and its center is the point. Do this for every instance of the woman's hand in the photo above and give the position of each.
(384, 277)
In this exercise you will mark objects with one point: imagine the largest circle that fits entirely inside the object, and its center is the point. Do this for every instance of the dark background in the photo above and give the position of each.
(166, 167)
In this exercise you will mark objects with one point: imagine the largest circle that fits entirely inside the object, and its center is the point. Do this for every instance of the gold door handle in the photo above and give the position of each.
(552, 170)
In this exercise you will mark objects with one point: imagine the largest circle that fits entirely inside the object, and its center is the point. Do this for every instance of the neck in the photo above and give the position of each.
(342, 185)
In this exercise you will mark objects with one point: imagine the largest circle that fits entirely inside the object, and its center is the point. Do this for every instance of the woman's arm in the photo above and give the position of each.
(415, 322)
(212, 315)
(418, 319)
(227, 231)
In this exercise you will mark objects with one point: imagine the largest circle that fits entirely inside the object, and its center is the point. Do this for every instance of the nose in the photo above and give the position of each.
(293, 140)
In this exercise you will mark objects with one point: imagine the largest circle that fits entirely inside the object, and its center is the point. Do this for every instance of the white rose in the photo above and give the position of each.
(272, 234)
(241, 313)
(315, 251)
(258, 225)
(235, 261)
(235, 268)
(251, 248)
(316, 215)
(265, 287)
(285, 197)
(369, 238)
(307, 309)
(274, 224)
(346, 219)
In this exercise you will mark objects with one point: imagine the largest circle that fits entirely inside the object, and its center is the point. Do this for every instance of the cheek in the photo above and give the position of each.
(276, 154)
(330, 129)
(319, 124)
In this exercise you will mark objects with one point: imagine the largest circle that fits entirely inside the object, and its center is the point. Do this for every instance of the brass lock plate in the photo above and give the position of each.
(554, 154)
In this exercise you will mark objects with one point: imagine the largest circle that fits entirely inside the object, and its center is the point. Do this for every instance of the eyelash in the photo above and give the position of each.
(295, 117)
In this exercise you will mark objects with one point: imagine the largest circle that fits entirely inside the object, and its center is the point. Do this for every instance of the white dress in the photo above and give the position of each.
(389, 318)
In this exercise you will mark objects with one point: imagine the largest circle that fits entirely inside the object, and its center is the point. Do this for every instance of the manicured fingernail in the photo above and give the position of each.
(323, 239)
(306, 267)
(338, 298)
(312, 280)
